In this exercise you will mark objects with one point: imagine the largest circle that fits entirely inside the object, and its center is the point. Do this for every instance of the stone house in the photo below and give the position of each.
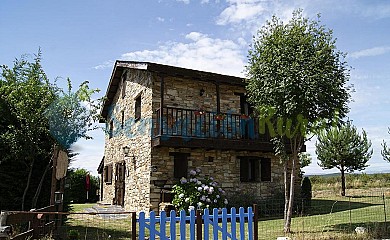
(163, 121)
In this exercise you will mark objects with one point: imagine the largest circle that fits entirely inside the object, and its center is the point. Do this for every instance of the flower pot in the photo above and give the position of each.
(198, 113)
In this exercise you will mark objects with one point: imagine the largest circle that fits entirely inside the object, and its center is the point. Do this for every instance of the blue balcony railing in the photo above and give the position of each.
(189, 123)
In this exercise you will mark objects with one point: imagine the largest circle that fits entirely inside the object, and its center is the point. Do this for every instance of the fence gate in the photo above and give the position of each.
(214, 225)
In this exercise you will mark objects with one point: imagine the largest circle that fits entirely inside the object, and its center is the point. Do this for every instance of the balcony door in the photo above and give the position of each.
(247, 125)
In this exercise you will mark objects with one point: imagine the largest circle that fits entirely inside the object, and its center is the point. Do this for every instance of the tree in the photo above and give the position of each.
(304, 161)
(25, 93)
(296, 80)
(386, 150)
(26, 138)
(343, 148)
(76, 190)
(306, 194)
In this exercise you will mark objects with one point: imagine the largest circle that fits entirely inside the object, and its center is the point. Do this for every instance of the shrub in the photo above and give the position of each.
(239, 199)
(197, 193)
(73, 235)
(306, 194)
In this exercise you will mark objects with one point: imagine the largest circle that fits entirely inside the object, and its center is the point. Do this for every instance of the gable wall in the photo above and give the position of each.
(185, 93)
(136, 135)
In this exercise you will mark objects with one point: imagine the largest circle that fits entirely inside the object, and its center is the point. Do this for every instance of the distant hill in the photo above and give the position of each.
(339, 174)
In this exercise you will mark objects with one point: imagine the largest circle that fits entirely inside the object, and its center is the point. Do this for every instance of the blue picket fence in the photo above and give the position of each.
(242, 225)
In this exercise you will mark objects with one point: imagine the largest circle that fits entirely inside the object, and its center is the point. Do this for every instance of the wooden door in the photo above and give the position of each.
(120, 184)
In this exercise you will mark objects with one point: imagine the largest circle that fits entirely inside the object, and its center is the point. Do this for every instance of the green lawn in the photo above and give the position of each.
(329, 218)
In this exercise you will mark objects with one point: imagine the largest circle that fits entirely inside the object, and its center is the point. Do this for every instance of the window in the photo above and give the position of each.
(255, 169)
(123, 119)
(180, 165)
(124, 84)
(111, 129)
(108, 174)
(265, 169)
(249, 169)
(138, 108)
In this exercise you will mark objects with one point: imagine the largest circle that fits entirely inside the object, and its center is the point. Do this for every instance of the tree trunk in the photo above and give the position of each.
(287, 225)
(53, 176)
(39, 188)
(27, 184)
(286, 192)
(342, 181)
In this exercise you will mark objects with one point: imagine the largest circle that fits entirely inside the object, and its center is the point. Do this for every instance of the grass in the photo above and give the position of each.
(94, 226)
(333, 217)
(77, 208)
(330, 217)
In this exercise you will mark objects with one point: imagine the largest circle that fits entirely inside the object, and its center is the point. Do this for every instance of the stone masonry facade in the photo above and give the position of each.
(145, 163)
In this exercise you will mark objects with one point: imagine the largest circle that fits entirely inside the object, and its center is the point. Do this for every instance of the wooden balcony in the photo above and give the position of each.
(177, 127)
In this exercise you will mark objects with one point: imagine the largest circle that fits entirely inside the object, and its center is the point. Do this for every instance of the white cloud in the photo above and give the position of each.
(247, 16)
(370, 52)
(239, 11)
(208, 1)
(160, 19)
(201, 52)
(106, 64)
(184, 1)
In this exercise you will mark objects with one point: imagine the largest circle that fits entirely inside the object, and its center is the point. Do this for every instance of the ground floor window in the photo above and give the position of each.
(108, 174)
(255, 169)
(180, 168)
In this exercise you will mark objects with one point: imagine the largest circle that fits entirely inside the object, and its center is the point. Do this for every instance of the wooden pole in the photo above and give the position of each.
(255, 222)
(161, 130)
(198, 225)
(53, 175)
(133, 226)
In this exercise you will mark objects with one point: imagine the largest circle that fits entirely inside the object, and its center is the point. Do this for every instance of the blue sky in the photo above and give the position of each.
(82, 39)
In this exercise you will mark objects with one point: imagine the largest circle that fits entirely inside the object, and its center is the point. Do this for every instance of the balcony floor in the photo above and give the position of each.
(212, 143)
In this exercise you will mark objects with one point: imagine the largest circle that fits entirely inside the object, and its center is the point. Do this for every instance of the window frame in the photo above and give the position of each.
(180, 170)
(266, 170)
(255, 169)
(138, 107)
(108, 170)
(122, 119)
(123, 78)
(111, 129)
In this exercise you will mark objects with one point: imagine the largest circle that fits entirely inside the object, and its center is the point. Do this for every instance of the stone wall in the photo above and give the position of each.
(224, 168)
(135, 134)
(151, 164)
(185, 93)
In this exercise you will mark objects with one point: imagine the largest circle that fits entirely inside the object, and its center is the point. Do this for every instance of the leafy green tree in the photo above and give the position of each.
(72, 114)
(296, 80)
(304, 161)
(345, 149)
(75, 186)
(25, 92)
(27, 139)
(385, 151)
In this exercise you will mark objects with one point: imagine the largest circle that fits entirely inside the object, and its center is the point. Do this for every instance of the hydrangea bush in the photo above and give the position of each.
(196, 193)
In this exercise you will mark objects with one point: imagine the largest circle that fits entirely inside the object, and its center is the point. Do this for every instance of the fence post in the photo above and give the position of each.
(198, 225)
(350, 213)
(5, 231)
(255, 222)
(133, 226)
(384, 209)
